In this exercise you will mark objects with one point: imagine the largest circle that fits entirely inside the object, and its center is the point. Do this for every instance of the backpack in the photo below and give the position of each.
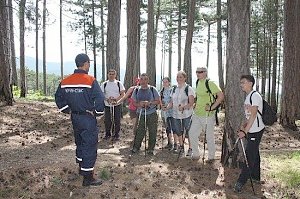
(151, 88)
(186, 90)
(211, 100)
(268, 116)
(118, 83)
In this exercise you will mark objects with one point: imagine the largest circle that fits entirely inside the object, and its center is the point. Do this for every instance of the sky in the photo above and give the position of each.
(72, 47)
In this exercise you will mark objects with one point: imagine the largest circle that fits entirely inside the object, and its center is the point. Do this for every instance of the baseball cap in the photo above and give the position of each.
(201, 69)
(81, 59)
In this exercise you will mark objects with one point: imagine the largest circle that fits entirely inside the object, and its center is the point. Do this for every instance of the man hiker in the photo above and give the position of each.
(113, 91)
(252, 129)
(80, 95)
(146, 99)
(204, 114)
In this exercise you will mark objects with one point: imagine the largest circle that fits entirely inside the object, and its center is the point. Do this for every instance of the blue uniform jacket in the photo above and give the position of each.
(79, 93)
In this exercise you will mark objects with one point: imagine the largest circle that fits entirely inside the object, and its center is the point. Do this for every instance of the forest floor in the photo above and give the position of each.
(38, 161)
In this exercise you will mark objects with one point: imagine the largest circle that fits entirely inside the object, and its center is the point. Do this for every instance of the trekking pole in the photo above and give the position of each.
(181, 127)
(145, 130)
(162, 135)
(205, 131)
(246, 160)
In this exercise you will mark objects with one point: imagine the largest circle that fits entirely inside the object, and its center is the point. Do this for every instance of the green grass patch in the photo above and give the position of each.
(33, 95)
(285, 168)
(104, 174)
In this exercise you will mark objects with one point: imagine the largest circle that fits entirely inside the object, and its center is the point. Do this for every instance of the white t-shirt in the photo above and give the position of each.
(256, 101)
(180, 97)
(111, 90)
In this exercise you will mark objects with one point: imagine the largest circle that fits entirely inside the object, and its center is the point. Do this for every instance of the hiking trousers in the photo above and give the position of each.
(108, 120)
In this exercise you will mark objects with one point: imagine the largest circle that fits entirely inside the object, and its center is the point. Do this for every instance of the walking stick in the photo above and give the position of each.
(205, 131)
(145, 131)
(246, 160)
(162, 135)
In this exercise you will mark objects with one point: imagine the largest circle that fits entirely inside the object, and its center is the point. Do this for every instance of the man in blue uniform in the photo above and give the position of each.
(80, 95)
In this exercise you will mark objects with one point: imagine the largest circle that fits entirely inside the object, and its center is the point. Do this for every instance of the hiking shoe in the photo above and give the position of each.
(175, 148)
(238, 187)
(189, 152)
(169, 146)
(91, 181)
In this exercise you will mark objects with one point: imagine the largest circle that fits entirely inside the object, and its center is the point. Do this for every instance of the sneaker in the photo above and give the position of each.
(195, 158)
(169, 146)
(181, 151)
(210, 161)
(175, 148)
(189, 152)
(238, 187)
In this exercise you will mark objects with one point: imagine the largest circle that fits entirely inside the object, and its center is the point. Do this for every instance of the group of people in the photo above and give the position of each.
(185, 114)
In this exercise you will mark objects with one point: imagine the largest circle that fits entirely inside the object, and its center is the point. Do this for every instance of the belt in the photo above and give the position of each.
(80, 112)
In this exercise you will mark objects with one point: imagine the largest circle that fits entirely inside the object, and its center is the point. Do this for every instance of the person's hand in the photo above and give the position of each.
(180, 108)
(241, 133)
(164, 107)
(207, 107)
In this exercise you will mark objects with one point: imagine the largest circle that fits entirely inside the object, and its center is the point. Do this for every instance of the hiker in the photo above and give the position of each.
(80, 95)
(182, 103)
(113, 91)
(165, 97)
(146, 99)
(131, 107)
(204, 114)
(252, 129)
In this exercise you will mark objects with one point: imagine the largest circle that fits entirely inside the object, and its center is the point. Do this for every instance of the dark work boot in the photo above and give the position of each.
(90, 180)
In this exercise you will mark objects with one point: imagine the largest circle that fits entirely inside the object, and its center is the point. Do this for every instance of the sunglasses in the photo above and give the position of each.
(200, 72)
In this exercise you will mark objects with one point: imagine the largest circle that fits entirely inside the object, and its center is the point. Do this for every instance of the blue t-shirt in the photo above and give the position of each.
(166, 98)
(148, 94)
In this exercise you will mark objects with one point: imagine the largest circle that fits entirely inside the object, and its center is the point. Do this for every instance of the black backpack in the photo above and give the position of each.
(151, 88)
(268, 116)
(186, 90)
(212, 97)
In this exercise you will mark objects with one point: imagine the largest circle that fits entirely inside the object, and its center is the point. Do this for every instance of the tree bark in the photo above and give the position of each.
(94, 40)
(22, 47)
(102, 40)
(187, 65)
(44, 49)
(179, 34)
(6, 96)
(150, 46)
(37, 44)
(133, 8)
(61, 42)
(219, 44)
(291, 65)
(14, 75)
(238, 56)
(170, 38)
(113, 35)
(208, 43)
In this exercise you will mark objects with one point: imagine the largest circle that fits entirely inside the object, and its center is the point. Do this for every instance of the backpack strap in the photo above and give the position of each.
(257, 108)
(162, 93)
(118, 83)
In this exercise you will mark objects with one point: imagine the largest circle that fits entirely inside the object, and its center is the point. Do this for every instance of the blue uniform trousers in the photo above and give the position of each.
(86, 140)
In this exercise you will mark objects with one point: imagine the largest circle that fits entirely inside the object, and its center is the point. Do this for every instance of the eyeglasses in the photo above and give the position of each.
(200, 72)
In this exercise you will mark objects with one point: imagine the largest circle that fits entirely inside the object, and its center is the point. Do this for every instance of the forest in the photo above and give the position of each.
(257, 37)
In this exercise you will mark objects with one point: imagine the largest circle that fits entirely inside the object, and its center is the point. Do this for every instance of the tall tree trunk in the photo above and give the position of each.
(14, 76)
(187, 65)
(133, 8)
(94, 39)
(170, 38)
(179, 34)
(102, 40)
(264, 65)
(113, 35)
(5, 89)
(238, 57)
(44, 49)
(275, 51)
(22, 48)
(138, 59)
(208, 43)
(61, 41)
(37, 44)
(291, 65)
(150, 46)
(157, 16)
(219, 44)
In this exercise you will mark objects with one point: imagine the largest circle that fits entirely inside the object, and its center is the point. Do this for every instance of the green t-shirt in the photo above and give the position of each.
(203, 97)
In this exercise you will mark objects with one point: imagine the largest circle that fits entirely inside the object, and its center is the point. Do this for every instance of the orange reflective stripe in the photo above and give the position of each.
(78, 80)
